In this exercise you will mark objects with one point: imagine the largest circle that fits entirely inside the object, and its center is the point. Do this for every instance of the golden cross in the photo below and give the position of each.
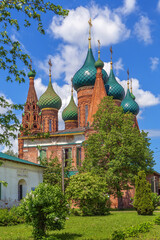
(90, 25)
(111, 51)
(128, 78)
(90, 22)
(50, 65)
(72, 86)
(128, 73)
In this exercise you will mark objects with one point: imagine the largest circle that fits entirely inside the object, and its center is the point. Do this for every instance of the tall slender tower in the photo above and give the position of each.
(83, 83)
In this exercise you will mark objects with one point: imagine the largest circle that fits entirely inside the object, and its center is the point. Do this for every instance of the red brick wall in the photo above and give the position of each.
(49, 114)
(84, 95)
(71, 124)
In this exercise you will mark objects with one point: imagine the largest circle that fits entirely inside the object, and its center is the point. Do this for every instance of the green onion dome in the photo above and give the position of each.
(113, 88)
(50, 99)
(86, 75)
(129, 105)
(32, 73)
(71, 111)
(99, 63)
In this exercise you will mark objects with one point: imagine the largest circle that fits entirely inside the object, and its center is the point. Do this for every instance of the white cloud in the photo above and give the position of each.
(143, 98)
(154, 62)
(143, 31)
(65, 63)
(158, 6)
(4, 110)
(74, 28)
(118, 66)
(153, 132)
(128, 7)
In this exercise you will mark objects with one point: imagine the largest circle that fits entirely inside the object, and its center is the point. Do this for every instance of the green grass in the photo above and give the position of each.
(87, 228)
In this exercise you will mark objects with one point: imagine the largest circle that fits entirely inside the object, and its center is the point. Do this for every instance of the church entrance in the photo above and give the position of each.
(22, 189)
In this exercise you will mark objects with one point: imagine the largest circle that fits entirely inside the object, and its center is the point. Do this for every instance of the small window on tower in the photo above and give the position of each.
(27, 117)
(33, 106)
(50, 125)
(79, 117)
(28, 107)
(34, 118)
(26, 126)
(43, 125)
(35, 126)
(86, 114)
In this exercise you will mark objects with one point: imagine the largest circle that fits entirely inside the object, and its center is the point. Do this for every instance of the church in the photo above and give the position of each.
(39, 135)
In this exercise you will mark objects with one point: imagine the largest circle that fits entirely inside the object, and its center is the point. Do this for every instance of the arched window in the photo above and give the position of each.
(86, 114)
(34, 118)
(28, 107)
(35, 126)
(50, 125)
(79, 117)
(34, 107)
(26, 126)
(22, 189)
(27, 117)
(43, 125)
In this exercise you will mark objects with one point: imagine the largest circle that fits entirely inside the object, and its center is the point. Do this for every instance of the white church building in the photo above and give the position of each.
(22, 176)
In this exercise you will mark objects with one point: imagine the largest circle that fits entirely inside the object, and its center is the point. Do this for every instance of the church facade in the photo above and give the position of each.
(39, 135)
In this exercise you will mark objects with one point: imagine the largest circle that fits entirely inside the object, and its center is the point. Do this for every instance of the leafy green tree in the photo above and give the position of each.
(143, 195)
(12, 53)
(11, 153)
(45, 209)
(116, 149)
(155, 200)
(52, 174)
(89, 193)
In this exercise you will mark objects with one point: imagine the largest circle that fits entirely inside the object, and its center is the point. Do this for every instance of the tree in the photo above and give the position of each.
(11, 52)
(52, 174)
(89, 193)
(3, 182)
(11, 153)
(45, 209)
(116, 149)
(143, 195)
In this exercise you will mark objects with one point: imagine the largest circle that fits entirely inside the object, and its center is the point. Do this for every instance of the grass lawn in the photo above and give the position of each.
(87, 228)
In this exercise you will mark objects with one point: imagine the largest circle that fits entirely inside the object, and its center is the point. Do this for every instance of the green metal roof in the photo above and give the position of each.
(86, 75)
(15, 159)
(129, 105)
(71, 111)
(113, 88)
(50, 99)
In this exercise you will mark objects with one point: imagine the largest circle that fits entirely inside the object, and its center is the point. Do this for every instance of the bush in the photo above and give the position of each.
(155, 200)
(10, 217)
(132, 231)
(89, 194)
(45, 209)
(143, 195)
(157, 220)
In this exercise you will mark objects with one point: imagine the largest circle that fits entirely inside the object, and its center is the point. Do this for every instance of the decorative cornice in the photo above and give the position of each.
(84, 88)
(50, 109)
(71, 121)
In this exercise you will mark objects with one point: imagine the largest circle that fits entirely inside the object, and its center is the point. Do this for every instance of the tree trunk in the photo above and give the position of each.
(120, 202)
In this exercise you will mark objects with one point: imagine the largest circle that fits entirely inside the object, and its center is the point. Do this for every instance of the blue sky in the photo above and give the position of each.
(132, 27)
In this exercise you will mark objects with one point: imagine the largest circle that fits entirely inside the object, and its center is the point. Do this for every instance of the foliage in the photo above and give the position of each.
(155, 200)
(94, 227)
(52, 174)
(12, 53)
(132, 231)
(10, 217)
(89, 193)
(157, 220)
(116, 149)
(11, 153)
(45, 209)
(143, 195)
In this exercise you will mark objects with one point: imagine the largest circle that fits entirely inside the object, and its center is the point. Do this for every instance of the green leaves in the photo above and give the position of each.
(117, 150)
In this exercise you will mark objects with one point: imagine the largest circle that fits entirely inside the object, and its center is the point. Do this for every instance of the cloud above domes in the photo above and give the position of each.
(108, 26)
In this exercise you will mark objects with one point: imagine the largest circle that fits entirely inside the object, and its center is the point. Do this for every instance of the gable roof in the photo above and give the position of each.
(15, 159)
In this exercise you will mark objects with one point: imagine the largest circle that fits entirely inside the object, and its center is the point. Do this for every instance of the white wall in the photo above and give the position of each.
(12, 173)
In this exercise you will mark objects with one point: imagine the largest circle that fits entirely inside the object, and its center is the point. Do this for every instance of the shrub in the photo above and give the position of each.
(157, 220)
(143, 200)
(155, 200)
(10, 217)
(132, 231)
(89, 193)
(45, 209)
